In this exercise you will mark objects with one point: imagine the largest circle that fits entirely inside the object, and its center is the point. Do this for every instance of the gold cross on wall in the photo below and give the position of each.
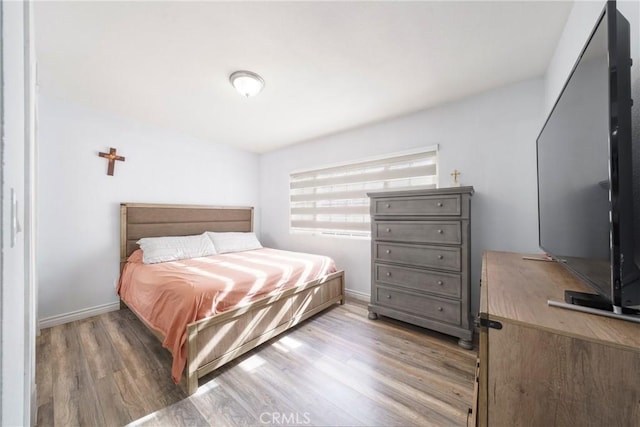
(455, 174)
(112, 157)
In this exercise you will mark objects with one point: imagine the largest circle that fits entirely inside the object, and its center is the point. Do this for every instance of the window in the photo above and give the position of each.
(333, 200)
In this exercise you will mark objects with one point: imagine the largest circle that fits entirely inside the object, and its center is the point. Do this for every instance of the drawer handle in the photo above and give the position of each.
(388, 296)
(439, 308)
(440, 256)
(440, 231)
(440, 282)
(439, 204)
(388, 251)
(388, 205)
(388, 273)
(388, 230)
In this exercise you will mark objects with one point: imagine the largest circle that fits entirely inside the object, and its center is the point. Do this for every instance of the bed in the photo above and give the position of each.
(212, 341)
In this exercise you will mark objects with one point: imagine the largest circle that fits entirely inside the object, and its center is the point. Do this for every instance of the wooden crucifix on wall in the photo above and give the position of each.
(112, 157)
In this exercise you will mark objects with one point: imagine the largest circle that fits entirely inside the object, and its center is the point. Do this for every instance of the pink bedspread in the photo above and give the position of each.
(170, 295)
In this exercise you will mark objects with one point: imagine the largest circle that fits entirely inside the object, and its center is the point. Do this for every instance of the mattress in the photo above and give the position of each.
(170, 295)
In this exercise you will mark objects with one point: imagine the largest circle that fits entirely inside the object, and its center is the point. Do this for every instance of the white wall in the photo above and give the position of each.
(489, 137)
(78, 206)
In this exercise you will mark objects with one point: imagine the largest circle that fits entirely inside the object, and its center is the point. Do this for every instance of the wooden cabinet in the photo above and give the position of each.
(549, 366)
(420, 256)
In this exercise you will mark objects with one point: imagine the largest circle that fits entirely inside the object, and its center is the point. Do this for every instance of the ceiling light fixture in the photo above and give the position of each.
(246, 82)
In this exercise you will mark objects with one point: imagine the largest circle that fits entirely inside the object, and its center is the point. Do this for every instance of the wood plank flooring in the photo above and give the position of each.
(336, 369)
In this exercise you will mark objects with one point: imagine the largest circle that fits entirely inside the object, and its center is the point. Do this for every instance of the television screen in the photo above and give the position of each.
(585, 196)
(573, 169)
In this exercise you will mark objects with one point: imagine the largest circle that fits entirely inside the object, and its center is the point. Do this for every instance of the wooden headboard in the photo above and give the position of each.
(139, 220)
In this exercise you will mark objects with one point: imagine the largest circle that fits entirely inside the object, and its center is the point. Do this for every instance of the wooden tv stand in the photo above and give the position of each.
(549, 366)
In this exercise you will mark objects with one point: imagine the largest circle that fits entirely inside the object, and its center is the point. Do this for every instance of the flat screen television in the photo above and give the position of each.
(585, 172)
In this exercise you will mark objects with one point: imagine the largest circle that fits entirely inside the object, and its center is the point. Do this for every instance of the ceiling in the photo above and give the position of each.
(328, 66)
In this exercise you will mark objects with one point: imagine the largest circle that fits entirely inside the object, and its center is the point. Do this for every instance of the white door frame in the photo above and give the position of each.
(17, 263)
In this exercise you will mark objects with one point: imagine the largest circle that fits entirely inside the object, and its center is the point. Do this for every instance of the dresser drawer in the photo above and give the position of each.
(447, 232)
(445, 258)
(449, 285)
(417, 206)
(423, 305)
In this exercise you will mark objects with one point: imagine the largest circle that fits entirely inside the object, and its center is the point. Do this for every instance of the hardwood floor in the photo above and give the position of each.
(338, 368)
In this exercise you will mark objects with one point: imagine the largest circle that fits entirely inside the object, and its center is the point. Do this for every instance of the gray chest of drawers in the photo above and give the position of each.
(420, 259)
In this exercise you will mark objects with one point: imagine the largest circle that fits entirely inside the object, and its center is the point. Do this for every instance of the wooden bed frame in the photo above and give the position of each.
(216, 340)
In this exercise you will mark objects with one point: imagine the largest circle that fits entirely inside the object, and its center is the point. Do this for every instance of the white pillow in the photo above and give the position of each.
(234, 241)
(172, 248)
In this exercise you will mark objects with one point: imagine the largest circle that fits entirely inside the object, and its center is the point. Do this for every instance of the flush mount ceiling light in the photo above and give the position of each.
(246, 82)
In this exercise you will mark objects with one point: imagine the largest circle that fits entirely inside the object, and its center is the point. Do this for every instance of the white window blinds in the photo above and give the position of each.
(333, 200)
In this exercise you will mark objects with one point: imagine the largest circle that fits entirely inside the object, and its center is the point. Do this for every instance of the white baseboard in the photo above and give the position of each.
(360, 296)
(60, 319)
